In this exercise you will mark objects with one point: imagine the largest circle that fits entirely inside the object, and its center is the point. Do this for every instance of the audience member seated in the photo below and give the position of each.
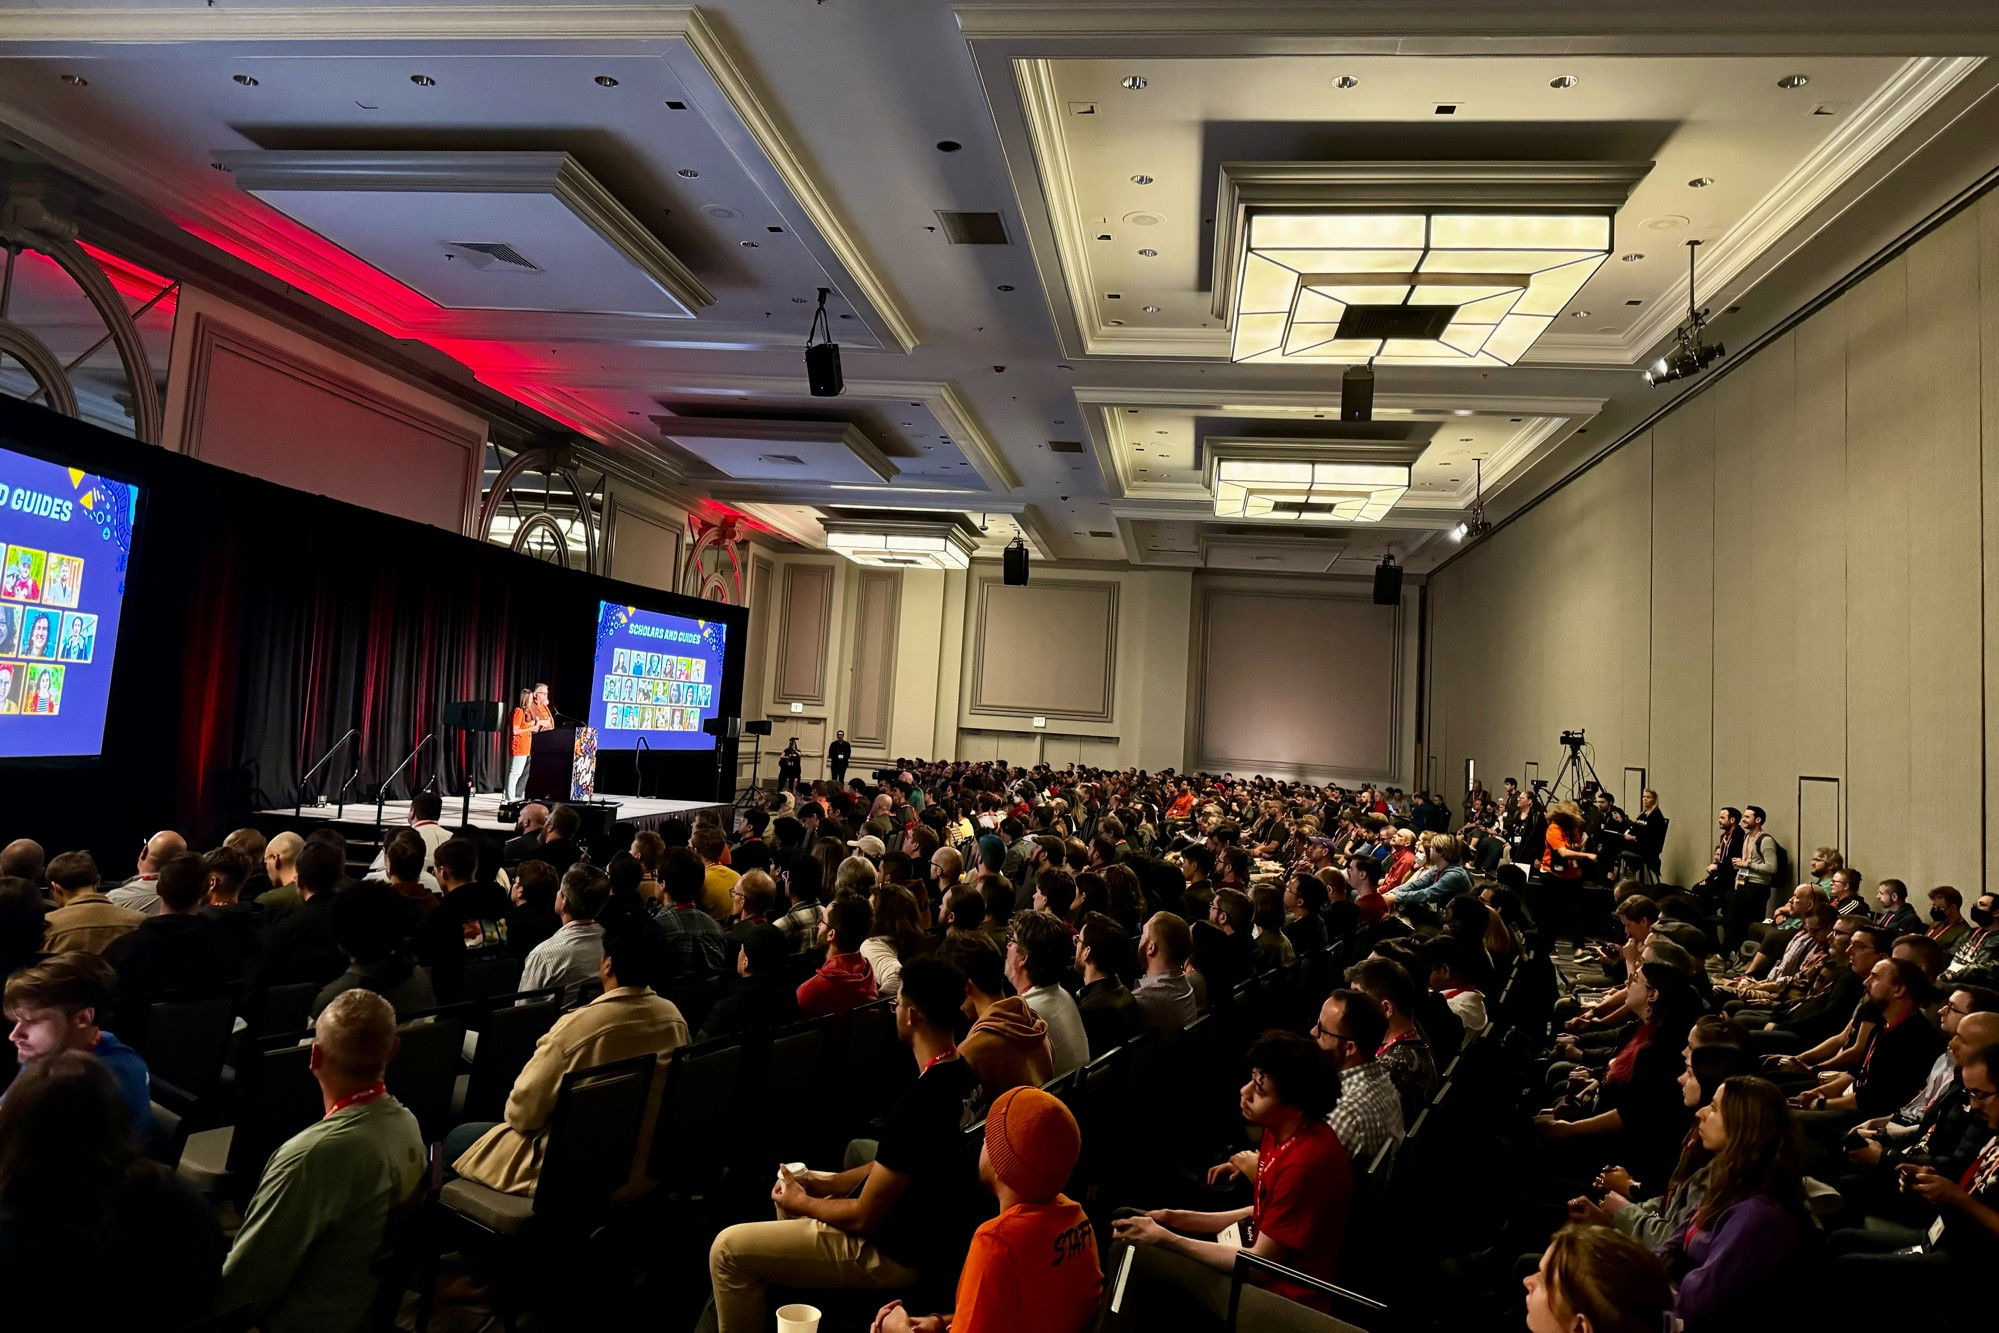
(1302, 1176)
(368, 923)
(1897, 917)
(1948, 925)
(1037, 959)
(469, 920)
(138, 893)
(1368, 1114)
(1165, 996)
(1451, 974)
(86, 1223)
(1111, 1017)
(56, 1005)
(239, 925)
(302, 947)
(628, 1019)
(897, 935)
(1305, 913)
(321, 1217)
(1979, 950)
(1403, 1051)
(760, 996)
(1007, 1046)
(402, 869)
(532, 827)
(884, 1223)
(1035, 1265)
(1593, 1280)
(844, 981)
(570, 957)
(83, 917)
(717, 878)
(175, 954)
(800, 922)
(696, 947)
(1444, 878)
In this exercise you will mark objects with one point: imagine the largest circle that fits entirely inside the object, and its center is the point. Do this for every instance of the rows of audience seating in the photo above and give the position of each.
(983, 1048)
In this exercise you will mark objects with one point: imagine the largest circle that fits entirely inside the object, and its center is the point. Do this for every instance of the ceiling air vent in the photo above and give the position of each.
(1065, 446)
(1097, 533)
(488, 254)
(973, 228)
(782, 460)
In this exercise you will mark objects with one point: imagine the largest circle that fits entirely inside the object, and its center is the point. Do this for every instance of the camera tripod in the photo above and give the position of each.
(1576, 779)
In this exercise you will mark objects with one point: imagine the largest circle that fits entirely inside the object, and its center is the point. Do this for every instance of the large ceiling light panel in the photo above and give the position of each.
(1407, 263)
(903, 543)
(1305, 482)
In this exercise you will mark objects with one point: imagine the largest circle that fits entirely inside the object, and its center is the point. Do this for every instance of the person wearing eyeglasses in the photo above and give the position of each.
(1350, 1029)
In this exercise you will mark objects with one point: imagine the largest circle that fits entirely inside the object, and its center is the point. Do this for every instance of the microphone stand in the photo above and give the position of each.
(382, 792)
(638, 773)
(298, 797)
(341, 813)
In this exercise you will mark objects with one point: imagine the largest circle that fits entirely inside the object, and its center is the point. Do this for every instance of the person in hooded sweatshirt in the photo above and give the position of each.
(845, 980)
(1008, 1045)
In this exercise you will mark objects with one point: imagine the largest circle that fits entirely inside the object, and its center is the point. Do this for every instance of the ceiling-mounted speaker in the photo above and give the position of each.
(822, 370)
(1013, 564)
(1388, 582)
(1357, 394)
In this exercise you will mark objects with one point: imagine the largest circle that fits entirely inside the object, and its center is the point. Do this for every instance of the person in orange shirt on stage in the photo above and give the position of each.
(1035, 1265)
(531, 715)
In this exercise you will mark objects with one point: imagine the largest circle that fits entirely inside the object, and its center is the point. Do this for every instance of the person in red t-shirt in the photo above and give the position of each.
(1303, 1177)
(1035, 1265)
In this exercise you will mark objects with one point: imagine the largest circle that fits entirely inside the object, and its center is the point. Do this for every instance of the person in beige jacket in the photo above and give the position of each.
(84, 919)
(627, 1020)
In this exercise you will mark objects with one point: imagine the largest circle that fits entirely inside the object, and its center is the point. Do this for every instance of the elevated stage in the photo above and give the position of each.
(358, 821)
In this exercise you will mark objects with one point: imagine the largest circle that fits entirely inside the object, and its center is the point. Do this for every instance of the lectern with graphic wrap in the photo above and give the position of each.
(562, 764)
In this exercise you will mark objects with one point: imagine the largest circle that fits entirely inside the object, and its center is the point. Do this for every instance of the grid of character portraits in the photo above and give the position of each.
(655, 692)
(40, 630)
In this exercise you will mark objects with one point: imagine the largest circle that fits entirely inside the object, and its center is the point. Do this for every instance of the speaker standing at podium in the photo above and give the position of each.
(533, 714)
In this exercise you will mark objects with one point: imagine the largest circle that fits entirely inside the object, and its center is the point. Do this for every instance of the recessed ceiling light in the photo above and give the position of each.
(1141, 179)
(76, 80)
(1633, 257)
(1133, 82)
(1793, 81)
(1004, 287)
(247, 80)
(688, 172)
(606, 81)
(1103, 236)
(1115, 323)
(1346, 81)
(423, 81)
(1579, 314)
(1461, 411)
(1562, 81)
(747, 245)
(1150, 309)
(1701, 182)
(1149, 254)
(948, 145)
(1464, 439)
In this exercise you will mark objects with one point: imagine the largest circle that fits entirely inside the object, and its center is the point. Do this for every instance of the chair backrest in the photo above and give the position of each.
(489, 972)
(1251, 1307)
(424, 1070)
(696, 1112)
(188, 1040)
(280, 1097)
(507, 1037)
(592, 1134)
(283, 1008)
(876, 1067)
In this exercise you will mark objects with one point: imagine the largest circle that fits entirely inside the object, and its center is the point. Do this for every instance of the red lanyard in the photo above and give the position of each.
(947, 1053)
(361, 1098)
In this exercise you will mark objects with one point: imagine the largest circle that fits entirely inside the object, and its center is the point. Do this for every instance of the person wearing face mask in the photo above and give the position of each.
(1948, 925)
(1979, 949)
(1593, 1280)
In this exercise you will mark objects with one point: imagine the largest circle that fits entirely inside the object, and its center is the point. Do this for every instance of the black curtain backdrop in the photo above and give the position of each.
(261, 623)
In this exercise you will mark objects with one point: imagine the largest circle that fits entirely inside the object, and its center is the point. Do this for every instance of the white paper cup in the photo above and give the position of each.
(797, 1319)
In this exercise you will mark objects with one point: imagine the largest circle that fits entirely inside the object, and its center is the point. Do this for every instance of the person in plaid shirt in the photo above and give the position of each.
(1369, 1112)
(694, 940)
(801, 924)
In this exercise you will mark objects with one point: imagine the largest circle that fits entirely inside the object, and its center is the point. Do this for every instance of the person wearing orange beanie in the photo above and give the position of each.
(1035, 1265)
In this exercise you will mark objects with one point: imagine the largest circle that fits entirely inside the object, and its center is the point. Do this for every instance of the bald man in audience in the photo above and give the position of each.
(533, 822)
(318, 1221)
(84, 919)
(23, 858)
(140, 892)
(282, 898)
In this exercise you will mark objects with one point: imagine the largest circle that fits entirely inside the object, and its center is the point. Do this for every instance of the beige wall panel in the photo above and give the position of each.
(1879, 456)
(1818, 546)
(1683, 601)
(1014, 671)
(1987, 214)
(871, 691)
(645, 546)
(804, 633)
(1941, 396)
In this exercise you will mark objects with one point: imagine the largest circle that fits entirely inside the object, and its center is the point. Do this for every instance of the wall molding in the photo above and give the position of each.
(798, 582)
(871, 693)
(212, 336)
(980, 706)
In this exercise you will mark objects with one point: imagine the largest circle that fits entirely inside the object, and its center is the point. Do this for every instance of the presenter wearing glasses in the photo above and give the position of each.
(532, 714)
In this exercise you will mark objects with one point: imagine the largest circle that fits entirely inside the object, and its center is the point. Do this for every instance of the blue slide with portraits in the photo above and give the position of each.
(657, 676)
(65, 541)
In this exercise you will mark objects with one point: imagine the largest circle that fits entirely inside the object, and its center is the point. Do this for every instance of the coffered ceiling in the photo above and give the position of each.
(678, 181)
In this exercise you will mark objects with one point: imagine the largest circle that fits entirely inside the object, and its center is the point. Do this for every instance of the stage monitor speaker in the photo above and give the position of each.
(1013, 565)
(758, 727)
(475, 715)
(723, 728)
(822, 370)
(1388, 582)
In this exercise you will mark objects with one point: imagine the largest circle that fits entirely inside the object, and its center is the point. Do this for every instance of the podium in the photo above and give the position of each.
(562, 764)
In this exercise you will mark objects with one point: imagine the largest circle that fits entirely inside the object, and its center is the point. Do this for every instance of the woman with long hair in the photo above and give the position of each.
(75, 1193)
(1750, 1222)
(1593, 1280)
(898, 936)
(1561, 865)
